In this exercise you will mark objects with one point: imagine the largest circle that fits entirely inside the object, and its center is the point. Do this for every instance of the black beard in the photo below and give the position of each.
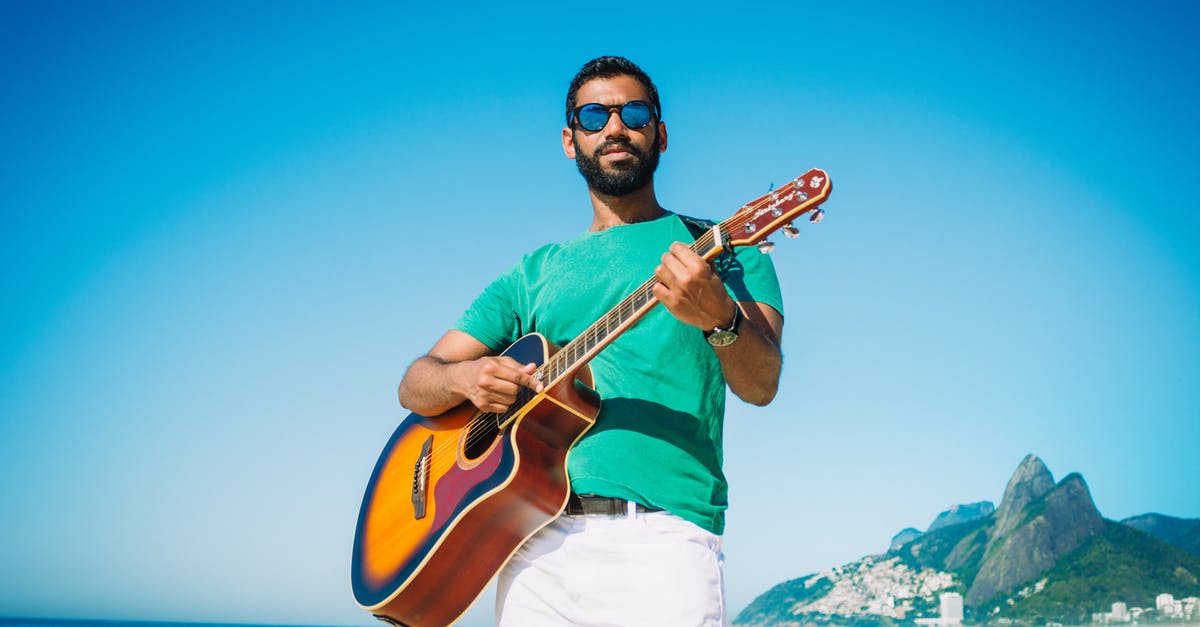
(627, 178)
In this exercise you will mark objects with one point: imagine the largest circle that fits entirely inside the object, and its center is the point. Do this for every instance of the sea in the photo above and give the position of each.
(476, 617)
(69, 622)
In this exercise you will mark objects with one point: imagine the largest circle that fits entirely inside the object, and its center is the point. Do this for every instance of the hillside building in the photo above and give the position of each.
(951, 611)
(1168, 606)
(1119, 614)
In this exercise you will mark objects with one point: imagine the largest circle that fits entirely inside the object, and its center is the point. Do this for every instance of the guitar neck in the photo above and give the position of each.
(750, 225)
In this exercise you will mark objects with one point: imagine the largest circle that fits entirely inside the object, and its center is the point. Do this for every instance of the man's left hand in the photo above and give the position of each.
(691, 290)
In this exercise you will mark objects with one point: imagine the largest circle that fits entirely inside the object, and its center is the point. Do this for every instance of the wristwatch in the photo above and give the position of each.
(724, 336)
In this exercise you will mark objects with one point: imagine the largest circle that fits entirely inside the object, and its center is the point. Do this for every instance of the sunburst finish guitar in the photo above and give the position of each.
(452, 497)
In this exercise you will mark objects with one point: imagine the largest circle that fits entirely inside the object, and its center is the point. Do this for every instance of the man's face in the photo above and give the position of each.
(615, 160)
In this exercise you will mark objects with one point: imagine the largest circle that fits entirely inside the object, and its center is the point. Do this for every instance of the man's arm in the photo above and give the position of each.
(458, 368)
(691, 290)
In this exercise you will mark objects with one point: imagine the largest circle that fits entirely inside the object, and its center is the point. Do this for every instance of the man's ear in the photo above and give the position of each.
(662, 136)
(568, 143)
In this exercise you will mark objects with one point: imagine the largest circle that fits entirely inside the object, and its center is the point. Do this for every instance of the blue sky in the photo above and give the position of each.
(227, 230)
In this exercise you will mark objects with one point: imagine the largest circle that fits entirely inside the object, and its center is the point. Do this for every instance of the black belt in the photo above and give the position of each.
(582, 504)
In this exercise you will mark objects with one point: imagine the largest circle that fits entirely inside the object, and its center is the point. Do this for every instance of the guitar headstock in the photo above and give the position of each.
(777, 209)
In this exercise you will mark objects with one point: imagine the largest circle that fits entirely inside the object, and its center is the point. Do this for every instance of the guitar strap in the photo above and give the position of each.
(722, 263)
(696, 226)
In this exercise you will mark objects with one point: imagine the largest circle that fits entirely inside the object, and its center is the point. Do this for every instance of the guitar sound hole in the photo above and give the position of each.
(480, 435)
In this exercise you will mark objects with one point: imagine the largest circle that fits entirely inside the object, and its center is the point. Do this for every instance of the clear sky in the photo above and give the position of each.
(227, 228)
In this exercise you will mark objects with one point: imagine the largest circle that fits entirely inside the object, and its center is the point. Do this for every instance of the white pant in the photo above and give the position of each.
(653, 569)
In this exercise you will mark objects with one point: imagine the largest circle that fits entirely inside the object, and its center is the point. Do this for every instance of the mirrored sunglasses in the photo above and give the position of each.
(594, 116)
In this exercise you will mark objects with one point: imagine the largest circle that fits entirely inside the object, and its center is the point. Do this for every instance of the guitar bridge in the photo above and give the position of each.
(420, 484)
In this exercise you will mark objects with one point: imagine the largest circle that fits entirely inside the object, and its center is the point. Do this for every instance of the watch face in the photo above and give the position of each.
(722, 338)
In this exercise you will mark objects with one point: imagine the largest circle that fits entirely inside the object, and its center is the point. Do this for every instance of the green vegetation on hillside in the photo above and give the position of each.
(932, 549)
(1121, 564)
(1181, 533)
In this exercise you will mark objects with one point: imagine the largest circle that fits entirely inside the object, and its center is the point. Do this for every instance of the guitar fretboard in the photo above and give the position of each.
(750, 224)
(605, 330)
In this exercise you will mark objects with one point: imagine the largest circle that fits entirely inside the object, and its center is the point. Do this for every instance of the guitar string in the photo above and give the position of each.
(478, 432)
(524, 395)
(477, 435)
(571, 352)
(552, 365)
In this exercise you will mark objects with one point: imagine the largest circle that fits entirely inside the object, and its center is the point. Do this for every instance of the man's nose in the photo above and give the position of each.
(615, 125)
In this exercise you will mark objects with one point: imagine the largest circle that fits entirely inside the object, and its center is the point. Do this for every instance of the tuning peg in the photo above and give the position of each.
(790, 230)
(817, 216)
(766, 246)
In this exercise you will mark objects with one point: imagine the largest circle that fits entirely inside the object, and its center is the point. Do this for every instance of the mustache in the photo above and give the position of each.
(621, 142)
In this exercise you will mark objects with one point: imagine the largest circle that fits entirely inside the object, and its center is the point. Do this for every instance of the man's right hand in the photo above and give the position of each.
(492, 383)
(461, 368)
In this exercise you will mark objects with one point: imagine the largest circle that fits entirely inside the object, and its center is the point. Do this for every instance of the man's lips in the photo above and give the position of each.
(617, 151)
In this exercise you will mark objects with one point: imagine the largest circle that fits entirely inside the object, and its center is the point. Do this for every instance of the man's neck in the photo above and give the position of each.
(610, 211)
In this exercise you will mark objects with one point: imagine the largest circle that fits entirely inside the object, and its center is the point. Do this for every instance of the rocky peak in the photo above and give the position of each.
(961, 514)
(1030, 482)
(1042, 531)
(905, 536)
(956, 515)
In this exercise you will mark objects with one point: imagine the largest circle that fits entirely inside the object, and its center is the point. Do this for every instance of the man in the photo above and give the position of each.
(640, 541)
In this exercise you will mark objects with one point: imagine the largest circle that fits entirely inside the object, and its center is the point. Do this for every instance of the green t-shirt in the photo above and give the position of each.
(657, 440)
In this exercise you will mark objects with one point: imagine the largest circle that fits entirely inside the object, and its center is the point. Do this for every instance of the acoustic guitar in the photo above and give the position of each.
(452, 497)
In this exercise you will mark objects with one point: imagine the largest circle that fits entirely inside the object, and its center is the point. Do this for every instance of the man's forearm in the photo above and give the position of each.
(691, 290)
(752, 364)
(427, 388)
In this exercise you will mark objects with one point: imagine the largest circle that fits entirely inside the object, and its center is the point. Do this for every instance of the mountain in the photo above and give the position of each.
(1045, 554)
(955, 515)
(1026, 542)
(1037, 523)
(1119, 564)
(961, 514)
(1181, 533)
(906, 535)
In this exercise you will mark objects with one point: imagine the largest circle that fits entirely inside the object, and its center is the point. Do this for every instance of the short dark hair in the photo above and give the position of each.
(608, 67)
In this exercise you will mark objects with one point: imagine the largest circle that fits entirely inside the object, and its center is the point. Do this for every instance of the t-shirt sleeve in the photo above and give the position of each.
(750, 275)
(494, 317)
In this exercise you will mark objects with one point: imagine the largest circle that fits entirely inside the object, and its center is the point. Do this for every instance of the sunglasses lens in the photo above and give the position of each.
(593, 117)
(635, 114)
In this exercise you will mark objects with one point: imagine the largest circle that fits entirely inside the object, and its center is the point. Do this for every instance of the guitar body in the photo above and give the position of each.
(452, 497)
